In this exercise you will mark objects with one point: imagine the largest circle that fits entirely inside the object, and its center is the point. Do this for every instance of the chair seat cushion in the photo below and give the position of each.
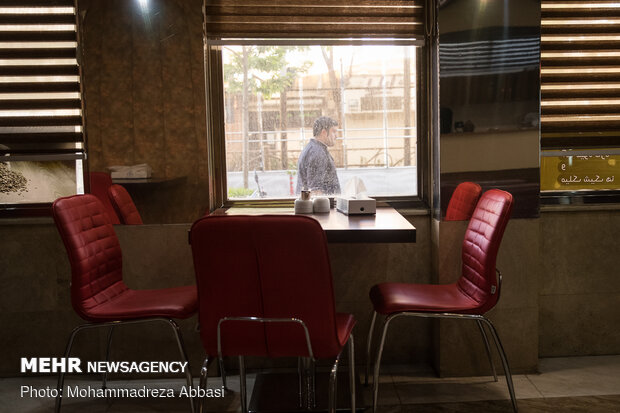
(389, 298)
(344, 323)
(177, 302)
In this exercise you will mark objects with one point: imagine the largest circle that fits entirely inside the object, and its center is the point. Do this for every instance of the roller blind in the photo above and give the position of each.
(315, 19)
(40, 98)
(580, 74)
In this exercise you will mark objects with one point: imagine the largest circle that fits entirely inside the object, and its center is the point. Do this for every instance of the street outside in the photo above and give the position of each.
(378, 181)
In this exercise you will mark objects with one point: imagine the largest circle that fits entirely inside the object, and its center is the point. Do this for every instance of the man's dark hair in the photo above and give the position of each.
(324, 122)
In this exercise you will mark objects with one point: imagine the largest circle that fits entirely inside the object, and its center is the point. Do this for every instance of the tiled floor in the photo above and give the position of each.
(576, 384)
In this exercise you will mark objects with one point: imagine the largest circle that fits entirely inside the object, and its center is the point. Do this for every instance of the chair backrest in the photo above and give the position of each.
(480, 246)
(124, 206)
(463, 201)
(264, 266)
(93, 249)
(99, 184)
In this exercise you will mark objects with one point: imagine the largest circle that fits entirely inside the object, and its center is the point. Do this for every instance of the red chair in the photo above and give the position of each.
(265, 289)
(123, 205)
(99, 184)
(475, 293)
(463, 201)
(98, 293)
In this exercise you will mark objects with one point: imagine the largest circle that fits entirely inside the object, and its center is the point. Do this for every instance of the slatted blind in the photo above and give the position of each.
(580, 74)
(315, 19)
(40, 99)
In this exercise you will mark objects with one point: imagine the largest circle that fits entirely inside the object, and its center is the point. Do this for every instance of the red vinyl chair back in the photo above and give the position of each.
(265, 266)
(296, 280)
(124, 206)
(463, 201)
(228, 285)
(94, 252)
(99, 184)
(480, 246)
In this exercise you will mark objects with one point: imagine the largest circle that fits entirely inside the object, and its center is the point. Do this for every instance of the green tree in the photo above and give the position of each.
(262, 71)
(337, 85)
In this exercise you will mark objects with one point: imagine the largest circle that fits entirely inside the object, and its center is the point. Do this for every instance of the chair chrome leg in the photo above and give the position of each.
(332, 386)
(352, 371)
(375, 379)
(487, 347)
(369, 346)
(312, 384)
(107, 357)
(502, 354)
(61, 376)
(300, 375)
(204, 374)
(171, 323)
(222, 372)
(242, 387)
(188, 372)
(307, 383)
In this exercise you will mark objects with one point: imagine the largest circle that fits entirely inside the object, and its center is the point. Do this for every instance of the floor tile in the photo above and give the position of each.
(578, 376)
(587, 404)
(387, 395)
(464, 389)
(386, 409)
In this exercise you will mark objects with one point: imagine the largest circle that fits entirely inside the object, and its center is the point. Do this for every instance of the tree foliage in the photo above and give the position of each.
(268, 68)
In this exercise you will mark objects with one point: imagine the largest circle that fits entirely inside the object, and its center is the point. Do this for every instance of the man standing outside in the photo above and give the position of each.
(316, 170)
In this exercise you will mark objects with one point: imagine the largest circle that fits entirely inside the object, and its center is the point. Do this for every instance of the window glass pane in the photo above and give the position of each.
(580, 172)
(23, 182)
(580, 97)
(274, 94)
(41, 116)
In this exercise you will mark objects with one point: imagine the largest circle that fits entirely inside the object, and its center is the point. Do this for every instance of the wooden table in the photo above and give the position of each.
(386, 226)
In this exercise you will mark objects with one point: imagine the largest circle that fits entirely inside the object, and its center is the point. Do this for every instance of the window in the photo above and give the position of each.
(580, 96)
(274, 67)
(367, 94)
(41, 140)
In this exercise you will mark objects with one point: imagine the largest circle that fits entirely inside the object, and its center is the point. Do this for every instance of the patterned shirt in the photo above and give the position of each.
(316, 170)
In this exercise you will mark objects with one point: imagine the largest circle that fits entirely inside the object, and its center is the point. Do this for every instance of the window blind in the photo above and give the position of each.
(580, 74)
(40, 98)
(399, 19)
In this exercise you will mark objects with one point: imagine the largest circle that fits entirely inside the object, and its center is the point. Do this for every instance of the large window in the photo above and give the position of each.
(41, 141)
(580, 96)
(274, 94)
(275, 67)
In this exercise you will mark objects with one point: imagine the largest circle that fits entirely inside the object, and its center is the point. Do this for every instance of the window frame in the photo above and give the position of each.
(357, 21)
(216, 145)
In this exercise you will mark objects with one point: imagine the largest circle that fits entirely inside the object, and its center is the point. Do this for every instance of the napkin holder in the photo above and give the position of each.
(356, 206)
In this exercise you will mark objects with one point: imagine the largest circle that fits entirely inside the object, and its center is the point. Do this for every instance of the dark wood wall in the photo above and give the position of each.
(144, 95)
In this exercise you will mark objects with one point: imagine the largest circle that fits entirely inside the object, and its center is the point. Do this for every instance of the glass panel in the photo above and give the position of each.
(274, 94)
(580, 172)
(489, 99)
(23, 182)
(37, 123)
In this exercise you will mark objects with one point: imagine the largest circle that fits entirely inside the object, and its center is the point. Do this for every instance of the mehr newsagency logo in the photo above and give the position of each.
(56, 365)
